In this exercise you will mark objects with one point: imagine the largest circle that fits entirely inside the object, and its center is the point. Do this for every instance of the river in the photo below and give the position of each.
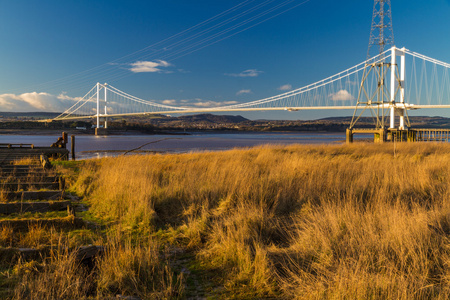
(90, 146)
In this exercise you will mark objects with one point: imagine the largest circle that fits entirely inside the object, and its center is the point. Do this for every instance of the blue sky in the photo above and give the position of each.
(55, 49)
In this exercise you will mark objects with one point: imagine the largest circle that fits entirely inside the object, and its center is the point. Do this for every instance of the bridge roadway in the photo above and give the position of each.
(212, 110)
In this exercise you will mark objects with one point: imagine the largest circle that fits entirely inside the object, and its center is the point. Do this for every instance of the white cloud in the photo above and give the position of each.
(197, 103)
(210, 103)
(241, 92)
(286, 87)
(149, 66)
(246, 73)
(349, 82)
(30, 102)
(341, 95)
(169, 102)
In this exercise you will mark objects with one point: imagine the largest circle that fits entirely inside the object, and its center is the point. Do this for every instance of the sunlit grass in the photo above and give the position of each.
(26, 161)
(340, 222)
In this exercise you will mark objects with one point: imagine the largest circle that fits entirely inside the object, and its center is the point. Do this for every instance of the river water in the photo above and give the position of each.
(90, 146)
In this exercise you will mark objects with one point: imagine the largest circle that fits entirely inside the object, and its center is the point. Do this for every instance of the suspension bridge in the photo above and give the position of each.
(385, 86)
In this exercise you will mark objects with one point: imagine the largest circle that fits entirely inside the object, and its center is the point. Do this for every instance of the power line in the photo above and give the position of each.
(220, 27)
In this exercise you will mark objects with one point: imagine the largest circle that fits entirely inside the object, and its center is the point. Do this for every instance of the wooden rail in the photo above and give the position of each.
(8, 145)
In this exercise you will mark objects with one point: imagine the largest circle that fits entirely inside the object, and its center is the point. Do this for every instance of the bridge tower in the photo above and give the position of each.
(389, 75)
(100, 102)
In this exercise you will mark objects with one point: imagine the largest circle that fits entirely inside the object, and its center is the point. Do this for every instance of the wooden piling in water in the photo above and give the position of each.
(64, 136)
(72, 146)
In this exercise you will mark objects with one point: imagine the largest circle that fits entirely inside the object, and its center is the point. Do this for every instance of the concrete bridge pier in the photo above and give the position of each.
(379, 135)
(101, 131)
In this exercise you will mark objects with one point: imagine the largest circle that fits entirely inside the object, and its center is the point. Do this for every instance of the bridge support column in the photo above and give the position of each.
(106, 111)
(402, 119)
(402, 88)
(98, 105)
(397, 84)
(392, 118)
(349, 136)
(380, 136)
(392, 95)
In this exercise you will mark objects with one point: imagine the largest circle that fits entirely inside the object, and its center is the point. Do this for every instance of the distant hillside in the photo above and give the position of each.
(36, 115)
(158, 123)
(213, 118)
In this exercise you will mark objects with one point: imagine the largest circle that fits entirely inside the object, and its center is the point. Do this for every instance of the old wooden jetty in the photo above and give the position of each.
(10, 152)
(33, 199)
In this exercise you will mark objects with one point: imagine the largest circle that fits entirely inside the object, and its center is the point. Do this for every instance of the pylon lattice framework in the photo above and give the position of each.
(381, 32)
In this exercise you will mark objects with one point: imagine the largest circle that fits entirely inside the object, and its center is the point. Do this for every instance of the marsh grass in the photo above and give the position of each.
(61, 277)
(320, 222)
(129, 267)
(137, 267)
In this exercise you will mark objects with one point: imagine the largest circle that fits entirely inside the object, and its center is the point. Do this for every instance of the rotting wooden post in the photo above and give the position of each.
(64, 136)
(45, 162)
(72, 146)
(62, 183)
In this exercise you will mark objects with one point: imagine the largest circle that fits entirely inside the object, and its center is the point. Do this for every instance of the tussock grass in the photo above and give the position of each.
(137, 268)
(61, 277)
(127, 268)
(310, 222)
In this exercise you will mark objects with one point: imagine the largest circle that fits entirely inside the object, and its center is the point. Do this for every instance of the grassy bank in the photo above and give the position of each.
(314, 222)
(359, 221)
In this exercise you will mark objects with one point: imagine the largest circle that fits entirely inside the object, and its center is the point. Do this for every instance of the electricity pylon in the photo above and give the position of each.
(381, 32)
(389, 78)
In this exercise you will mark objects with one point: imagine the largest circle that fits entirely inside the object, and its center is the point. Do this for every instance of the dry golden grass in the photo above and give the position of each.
(26, 161)
(320, 222)
(131, 268)
(126, 269)
(6, 236)
(60, 278)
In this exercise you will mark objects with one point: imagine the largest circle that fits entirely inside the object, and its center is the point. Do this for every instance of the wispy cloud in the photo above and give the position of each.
(169, 102)
(349, 82)
(198, 103)
(341, 95)
(241, 92)
(149, 66)
(246, 73)
(31, 102)
(210, 103)
(286, 87)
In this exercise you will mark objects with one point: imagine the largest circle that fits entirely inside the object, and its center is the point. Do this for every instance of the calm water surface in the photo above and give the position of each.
(90, 146)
